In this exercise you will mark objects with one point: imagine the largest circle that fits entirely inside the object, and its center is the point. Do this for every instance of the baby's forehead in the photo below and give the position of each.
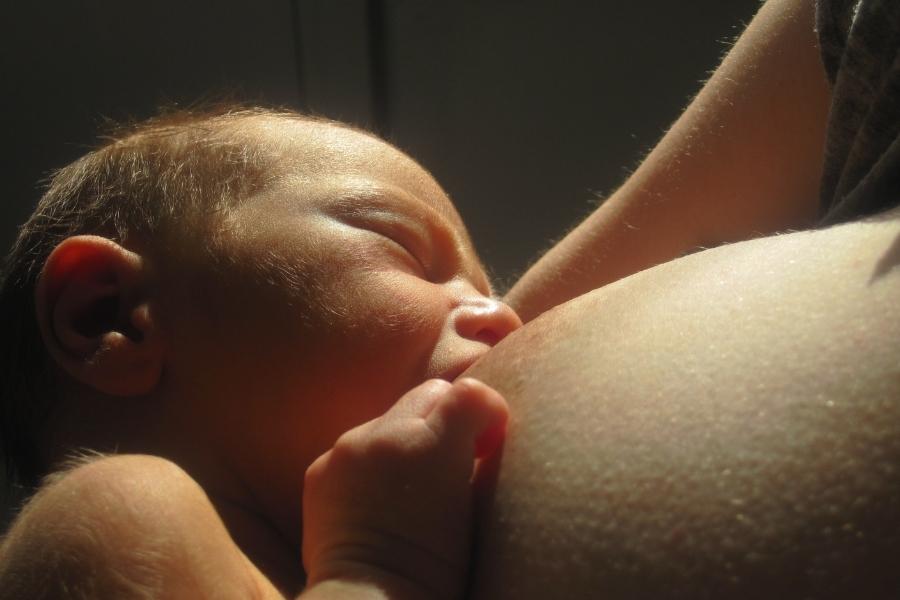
(338, 170)
(335, 157)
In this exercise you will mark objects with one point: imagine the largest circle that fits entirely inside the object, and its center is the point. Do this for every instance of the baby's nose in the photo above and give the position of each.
(485, 320)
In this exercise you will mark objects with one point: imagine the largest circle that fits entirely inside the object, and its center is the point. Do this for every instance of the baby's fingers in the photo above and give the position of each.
(470, 413)
(419, 401)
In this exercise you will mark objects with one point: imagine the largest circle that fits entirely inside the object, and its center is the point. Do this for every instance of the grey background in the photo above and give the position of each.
(525, 111)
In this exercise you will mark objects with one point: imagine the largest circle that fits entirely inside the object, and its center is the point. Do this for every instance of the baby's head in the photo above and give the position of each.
(233, 292)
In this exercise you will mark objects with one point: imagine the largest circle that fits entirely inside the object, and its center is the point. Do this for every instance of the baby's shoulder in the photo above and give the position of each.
(129, 526)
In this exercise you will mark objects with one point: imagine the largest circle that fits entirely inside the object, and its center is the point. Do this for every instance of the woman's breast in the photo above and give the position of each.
(727, 424)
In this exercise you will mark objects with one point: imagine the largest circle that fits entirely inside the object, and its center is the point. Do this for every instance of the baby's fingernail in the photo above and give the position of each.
(438, 386)
(465, 383)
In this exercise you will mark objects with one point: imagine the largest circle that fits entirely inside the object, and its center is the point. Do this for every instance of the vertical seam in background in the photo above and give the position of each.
(297, 30)
(376, 23)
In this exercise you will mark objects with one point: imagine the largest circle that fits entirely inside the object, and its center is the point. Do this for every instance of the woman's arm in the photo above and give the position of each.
(743, 160)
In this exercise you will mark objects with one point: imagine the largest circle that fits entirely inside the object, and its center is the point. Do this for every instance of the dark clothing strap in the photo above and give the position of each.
(859, 40)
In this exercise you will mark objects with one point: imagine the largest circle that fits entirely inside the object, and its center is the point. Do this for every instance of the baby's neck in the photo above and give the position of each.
(261, 542)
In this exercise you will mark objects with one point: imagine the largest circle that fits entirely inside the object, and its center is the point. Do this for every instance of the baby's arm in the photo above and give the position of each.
(743, 160)
(387, 510)
(125, 527)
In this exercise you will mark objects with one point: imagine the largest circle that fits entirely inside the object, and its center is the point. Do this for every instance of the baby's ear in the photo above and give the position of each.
(95, 316)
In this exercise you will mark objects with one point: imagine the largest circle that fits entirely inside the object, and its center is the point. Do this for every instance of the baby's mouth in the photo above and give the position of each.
(459, 367)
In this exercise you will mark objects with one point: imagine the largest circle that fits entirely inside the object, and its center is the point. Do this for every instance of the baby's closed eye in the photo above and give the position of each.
(397, 236)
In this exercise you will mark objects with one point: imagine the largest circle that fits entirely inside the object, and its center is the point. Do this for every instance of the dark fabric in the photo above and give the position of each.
(859, 42)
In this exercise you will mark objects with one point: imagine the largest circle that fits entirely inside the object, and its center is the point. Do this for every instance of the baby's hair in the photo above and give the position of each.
(178, 172)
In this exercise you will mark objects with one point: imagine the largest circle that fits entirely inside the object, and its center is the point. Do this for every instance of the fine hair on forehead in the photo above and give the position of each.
(149, 183)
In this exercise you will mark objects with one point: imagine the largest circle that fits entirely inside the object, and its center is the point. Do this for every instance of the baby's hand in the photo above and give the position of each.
(389, 506)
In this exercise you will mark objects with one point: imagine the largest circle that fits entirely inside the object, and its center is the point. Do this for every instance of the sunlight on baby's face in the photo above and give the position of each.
(354, 280)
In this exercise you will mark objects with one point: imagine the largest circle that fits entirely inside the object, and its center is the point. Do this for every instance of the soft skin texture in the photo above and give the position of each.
(334, 291)
(726, 425)
(142, 528)
(129, 527)
(388, 507)
(706, 428)
(744, 160)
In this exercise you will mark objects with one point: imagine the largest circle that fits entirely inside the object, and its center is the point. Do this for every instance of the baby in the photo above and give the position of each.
(246, 295)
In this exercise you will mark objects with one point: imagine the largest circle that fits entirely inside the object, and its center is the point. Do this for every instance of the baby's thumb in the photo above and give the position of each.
(473, 413)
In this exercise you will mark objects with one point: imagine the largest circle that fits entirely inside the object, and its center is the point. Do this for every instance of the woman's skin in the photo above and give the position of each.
(723, 425)
(744, 160)
(726, 425)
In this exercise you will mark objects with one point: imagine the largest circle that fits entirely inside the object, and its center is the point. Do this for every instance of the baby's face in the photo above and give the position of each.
(353, 279)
